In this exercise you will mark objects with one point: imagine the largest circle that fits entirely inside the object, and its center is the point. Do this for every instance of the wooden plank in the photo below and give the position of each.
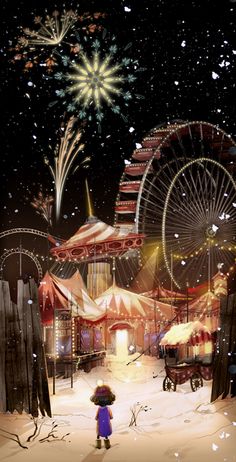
(23, 373)
(226, 342)
(3, 289)
(40, 378)
(10, 377)
(28, 341)
(22, 354)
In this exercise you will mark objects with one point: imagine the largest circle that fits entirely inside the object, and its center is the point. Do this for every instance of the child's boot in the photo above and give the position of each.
(107, 443)
(98, 443)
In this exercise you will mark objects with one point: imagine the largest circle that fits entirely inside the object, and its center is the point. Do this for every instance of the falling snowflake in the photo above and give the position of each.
(215, 75)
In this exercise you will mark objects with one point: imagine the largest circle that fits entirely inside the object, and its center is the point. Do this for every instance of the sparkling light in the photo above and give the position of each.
(68, 151)
(94, 81)
(51, 31)
(100, 383)
(43, 206)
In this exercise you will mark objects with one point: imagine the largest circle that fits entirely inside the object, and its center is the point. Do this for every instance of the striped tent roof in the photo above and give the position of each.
(120, 303)
(70, 294)
(92, 232)
(208, 302)
(161, 293)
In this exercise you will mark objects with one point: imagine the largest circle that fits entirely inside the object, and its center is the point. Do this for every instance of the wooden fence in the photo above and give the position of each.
(23, 369)
(226, 344)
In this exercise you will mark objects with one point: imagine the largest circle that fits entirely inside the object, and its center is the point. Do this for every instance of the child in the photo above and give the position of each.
(102, 397)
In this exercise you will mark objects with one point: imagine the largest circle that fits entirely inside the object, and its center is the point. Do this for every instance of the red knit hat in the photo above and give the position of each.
(104, 390)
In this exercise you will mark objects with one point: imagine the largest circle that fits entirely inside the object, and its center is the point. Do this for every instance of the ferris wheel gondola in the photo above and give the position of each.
(179, 191)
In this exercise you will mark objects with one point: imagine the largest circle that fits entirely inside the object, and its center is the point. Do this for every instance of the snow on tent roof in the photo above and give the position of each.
(193, 333)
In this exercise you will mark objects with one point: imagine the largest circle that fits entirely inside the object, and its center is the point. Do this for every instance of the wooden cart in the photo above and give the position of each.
(179, 374)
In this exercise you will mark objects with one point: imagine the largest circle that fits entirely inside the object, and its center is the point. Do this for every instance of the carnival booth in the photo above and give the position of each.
(188, 337)
(132, 319)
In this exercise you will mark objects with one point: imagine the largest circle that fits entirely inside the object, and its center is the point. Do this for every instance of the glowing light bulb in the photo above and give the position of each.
(100, 383)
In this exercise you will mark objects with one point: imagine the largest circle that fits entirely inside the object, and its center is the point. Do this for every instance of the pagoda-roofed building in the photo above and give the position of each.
(95, 244)
(94, 241)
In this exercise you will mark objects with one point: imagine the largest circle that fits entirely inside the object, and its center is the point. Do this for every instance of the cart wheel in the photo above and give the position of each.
(168, 384)
(196, 382)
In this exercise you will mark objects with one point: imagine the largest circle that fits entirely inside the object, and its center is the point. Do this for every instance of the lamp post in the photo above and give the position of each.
(187, 286)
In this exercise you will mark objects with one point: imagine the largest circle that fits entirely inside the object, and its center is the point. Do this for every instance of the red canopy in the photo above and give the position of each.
(121, 326)
(191, 333)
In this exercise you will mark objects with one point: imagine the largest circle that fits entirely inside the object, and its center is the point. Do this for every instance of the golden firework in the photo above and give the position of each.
(95, 80)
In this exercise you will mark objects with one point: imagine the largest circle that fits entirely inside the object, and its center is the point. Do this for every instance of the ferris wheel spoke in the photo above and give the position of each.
(185, 205)
(201, 185)
(225, 196)
(187, 195)
(186, 249)
(186, 202)
(198, 201)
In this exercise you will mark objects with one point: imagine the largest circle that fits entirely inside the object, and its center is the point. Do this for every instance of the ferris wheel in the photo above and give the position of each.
(179, 190)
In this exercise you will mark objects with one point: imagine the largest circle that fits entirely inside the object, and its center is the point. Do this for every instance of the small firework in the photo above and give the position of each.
(38, 47)
(43, 206)
(52, 31)
(65, 155)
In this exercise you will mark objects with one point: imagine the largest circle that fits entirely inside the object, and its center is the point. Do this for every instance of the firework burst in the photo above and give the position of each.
(65, 154)
(43, 206)
(54, 39)
(52, 31)
(97, 81)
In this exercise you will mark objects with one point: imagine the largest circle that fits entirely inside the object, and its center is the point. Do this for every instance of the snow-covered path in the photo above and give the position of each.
(177, 426)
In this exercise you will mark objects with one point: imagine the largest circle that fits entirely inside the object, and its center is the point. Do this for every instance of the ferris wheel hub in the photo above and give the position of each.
(211, 231)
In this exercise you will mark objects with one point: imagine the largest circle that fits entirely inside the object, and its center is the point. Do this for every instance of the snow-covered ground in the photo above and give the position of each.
(177, 426)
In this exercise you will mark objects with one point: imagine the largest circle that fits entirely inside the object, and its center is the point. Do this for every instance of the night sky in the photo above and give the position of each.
(182, 55)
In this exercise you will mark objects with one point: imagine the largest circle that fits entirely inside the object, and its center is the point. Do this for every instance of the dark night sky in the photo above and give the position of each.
(186, 51)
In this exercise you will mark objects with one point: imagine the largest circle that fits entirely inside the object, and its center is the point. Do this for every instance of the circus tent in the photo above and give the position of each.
(205, 309)
(138, 315)
(67, 294)
(94, 240)
(71, 319)
(122, 303)
(162, 294)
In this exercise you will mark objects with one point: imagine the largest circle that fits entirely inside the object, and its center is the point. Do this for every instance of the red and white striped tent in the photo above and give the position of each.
(94, 240)
(138, 315)
(191, 333)
(123, 304)
(66, 294)
(205, 308)
(162, 294)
